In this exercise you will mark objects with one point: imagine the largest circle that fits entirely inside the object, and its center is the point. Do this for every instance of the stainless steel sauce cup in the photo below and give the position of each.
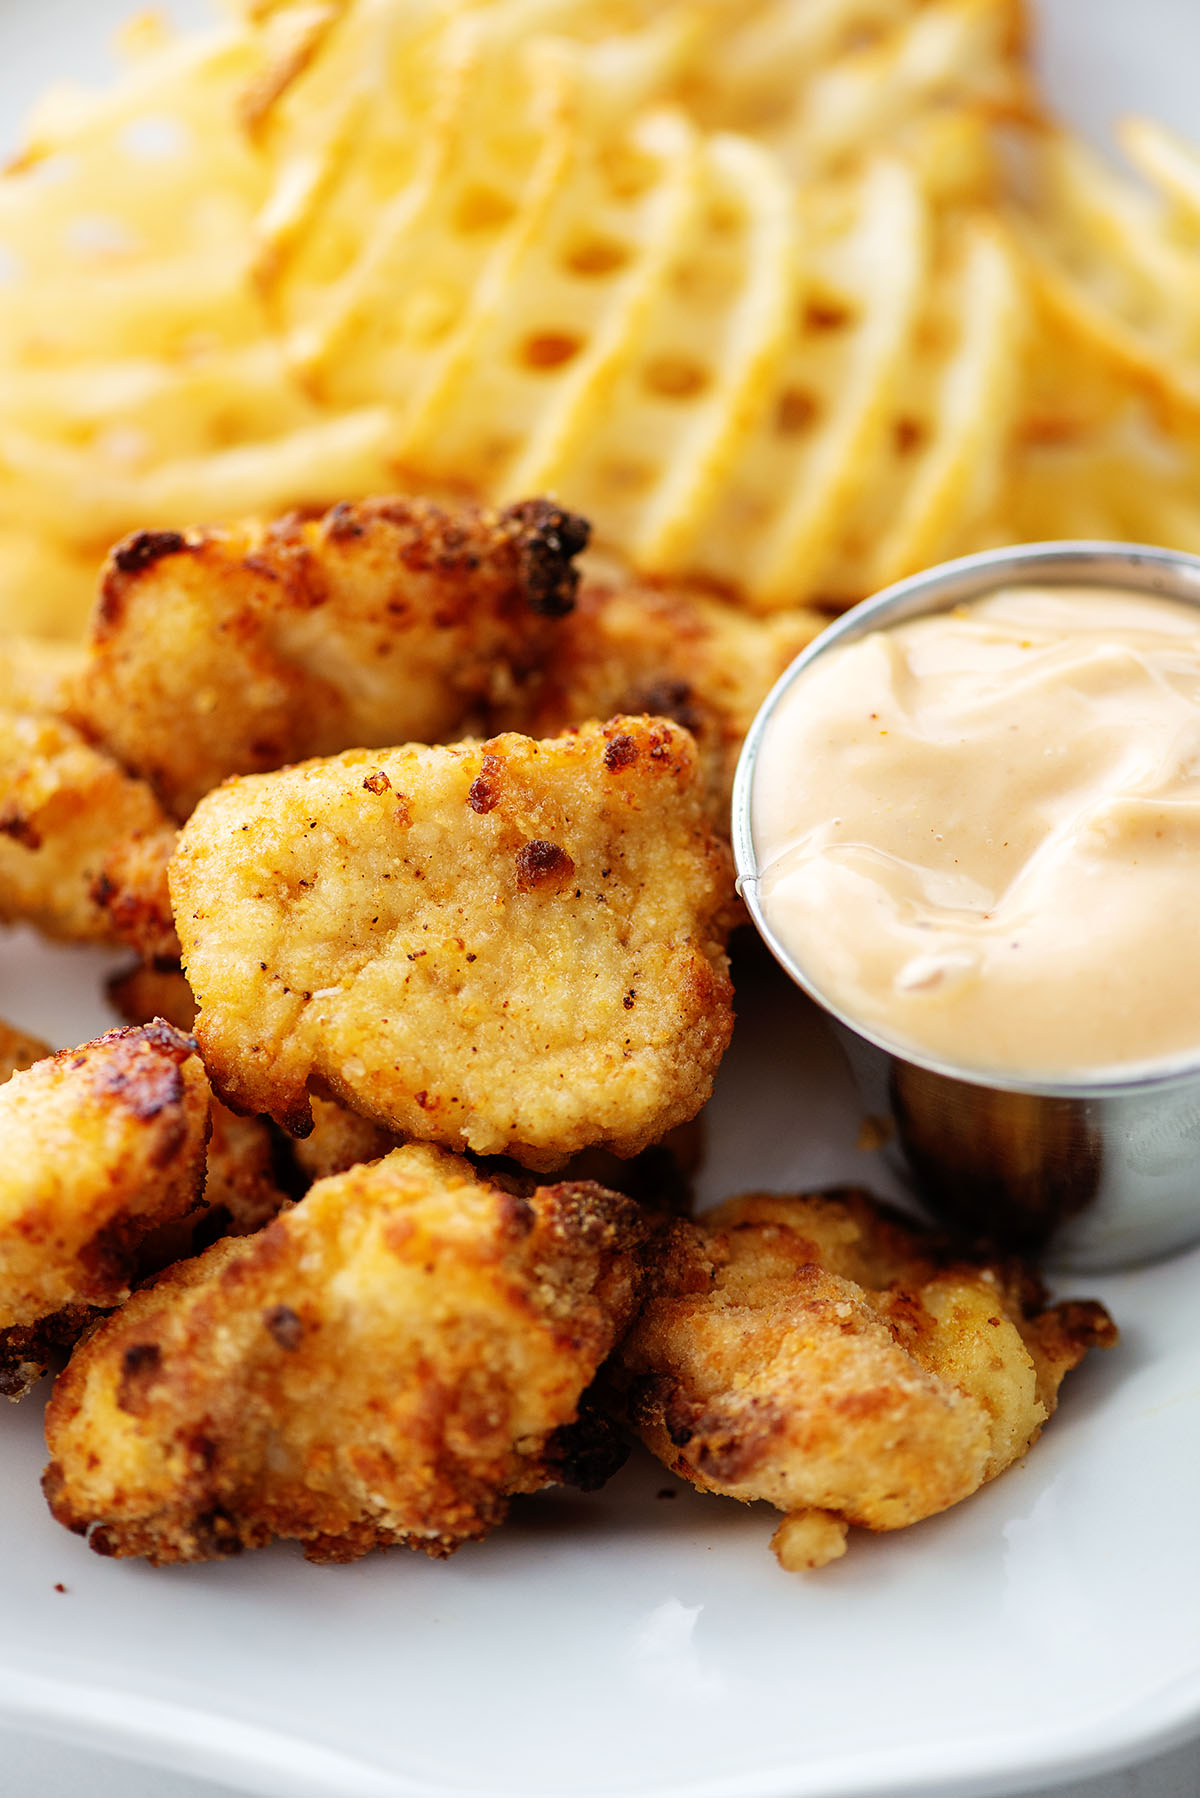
(1100, 1173)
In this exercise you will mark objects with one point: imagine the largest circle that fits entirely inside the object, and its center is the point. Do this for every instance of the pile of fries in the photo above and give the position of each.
(789, 297)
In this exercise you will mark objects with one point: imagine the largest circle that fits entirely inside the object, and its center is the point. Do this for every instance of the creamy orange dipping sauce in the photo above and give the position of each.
(978, 834)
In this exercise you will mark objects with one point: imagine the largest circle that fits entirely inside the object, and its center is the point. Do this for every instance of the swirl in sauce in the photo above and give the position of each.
(978, 833)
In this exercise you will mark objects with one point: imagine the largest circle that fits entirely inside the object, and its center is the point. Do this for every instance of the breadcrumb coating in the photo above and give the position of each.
(230, 651)
(339, 1139)
(513, 947)
(821, 1354)
(388, 1362)
(631, 648)
(83, 847)
(98, 1147)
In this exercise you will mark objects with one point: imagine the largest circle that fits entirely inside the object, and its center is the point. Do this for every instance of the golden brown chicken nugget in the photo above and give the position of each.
(223, 652)
(823, 1355)
(83, 847)
(98, 1146)
(513, 947)
(250, 1174)
(386, 1363)
(673, 653)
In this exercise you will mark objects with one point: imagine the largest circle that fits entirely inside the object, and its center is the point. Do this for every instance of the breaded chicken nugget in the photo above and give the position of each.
(19, 1050)
(83, 847)
(98, 1146)
(386, 1363)
(823, 1355)
(673, 653)
(223, 652)
(513, 947)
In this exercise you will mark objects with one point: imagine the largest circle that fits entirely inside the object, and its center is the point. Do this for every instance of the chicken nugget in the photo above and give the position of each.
(513, 947)
(83, 846)
(823, 1355)
(673, 653)
(221, 652)
(98, 1146)
(386, 1363)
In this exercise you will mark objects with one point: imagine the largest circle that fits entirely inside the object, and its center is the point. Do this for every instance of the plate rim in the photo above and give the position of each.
(275, 1763)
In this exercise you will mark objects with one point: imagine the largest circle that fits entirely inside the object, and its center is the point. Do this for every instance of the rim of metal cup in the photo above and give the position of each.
(1133, 567)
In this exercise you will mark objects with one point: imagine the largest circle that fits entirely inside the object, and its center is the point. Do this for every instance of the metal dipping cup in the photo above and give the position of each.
(1100, 1173)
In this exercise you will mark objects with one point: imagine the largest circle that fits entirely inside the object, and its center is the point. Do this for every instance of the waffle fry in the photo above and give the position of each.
(756, 286)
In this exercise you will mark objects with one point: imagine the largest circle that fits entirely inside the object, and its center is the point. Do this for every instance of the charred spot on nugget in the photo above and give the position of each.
(543, 866)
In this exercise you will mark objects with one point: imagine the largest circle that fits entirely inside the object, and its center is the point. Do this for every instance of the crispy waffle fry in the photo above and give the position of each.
(960, 442)
(946, 53)
(730, 276)
(938, 468)
(1167, 162)
(861, 285)
(1109, 270)
(166, 390)
(681, 394)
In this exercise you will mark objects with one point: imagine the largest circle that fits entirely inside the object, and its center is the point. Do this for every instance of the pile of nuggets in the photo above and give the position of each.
(369, 1219)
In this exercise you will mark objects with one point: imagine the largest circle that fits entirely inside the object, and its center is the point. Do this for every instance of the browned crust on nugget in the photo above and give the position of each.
(27, 1350)
(98, 1146)
(339, 1139)
(630, 648)
(131, 894)
(822, 1354)
(83, 847)
(148, 990)
(386, 1363)
(230, 651)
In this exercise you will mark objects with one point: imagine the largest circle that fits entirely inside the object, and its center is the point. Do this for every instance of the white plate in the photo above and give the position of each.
(634, 1645)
